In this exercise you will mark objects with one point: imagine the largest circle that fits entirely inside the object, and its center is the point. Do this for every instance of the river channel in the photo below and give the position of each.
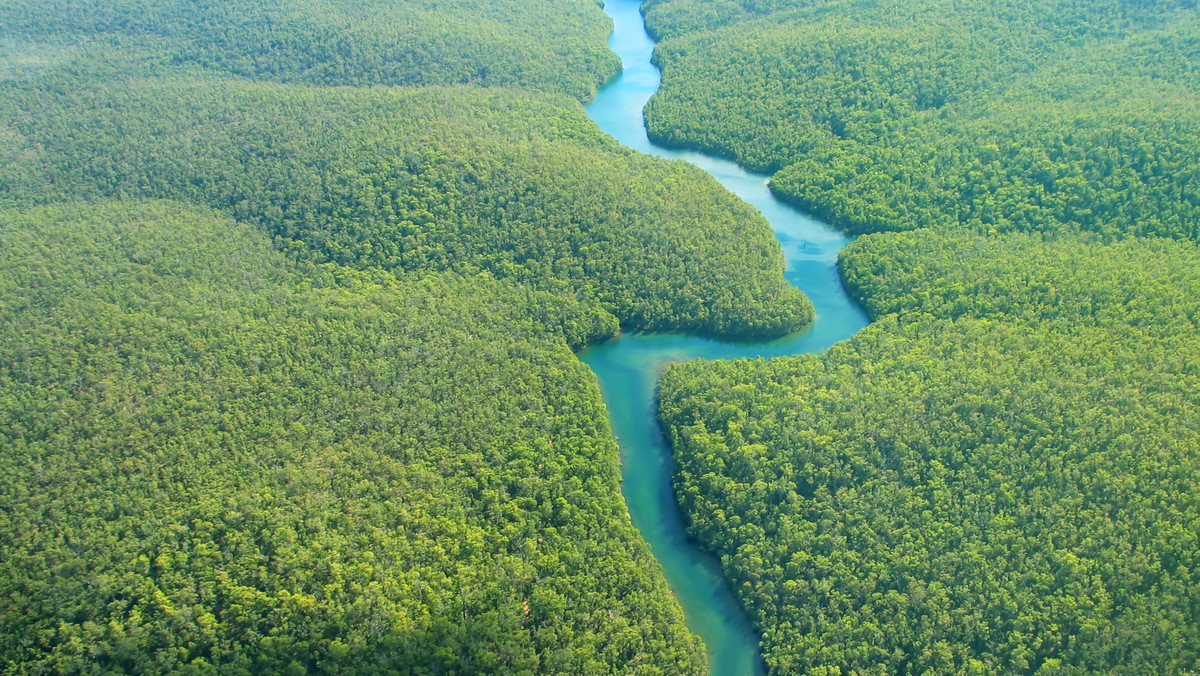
(628, 367)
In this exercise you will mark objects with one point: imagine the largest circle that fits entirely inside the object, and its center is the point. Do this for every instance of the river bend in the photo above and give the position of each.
(628, 368)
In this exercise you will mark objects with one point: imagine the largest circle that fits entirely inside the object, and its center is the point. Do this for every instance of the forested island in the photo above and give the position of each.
(290, 295)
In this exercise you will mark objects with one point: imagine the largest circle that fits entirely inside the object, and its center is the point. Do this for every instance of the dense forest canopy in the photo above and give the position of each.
(288, 293)
(986, 481)
(286, 363)
(1148, 284)
(992, 116)
(516, 183)
(1000, 475)
(215, 461)
(556, 45)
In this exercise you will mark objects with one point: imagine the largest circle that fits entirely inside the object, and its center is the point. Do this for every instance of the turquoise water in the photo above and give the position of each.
(628, 367)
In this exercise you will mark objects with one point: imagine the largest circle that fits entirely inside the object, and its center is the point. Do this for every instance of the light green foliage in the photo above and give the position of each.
(215, 461)
(1001, 477)
(557, 45)
(466, 179)
(1043, 116)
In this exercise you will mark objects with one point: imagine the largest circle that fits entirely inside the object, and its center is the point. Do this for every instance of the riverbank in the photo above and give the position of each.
(628, 367)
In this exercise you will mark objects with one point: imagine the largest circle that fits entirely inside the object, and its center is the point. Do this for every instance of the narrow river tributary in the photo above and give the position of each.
(629, 367)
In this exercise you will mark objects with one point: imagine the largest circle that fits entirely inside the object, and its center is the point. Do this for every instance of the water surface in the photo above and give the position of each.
(629, 367)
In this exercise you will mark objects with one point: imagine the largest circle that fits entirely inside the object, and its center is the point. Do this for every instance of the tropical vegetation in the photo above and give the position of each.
(999, 475)
(288, 300)
(997, 116)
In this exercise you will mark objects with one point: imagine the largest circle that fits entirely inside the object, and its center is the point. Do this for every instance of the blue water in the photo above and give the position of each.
(629, 367)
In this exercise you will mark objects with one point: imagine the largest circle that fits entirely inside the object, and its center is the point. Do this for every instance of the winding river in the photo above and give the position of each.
(628, 367)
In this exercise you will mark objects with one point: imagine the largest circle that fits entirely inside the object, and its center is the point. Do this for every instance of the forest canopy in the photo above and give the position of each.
(215, 461)
(999, 475)
(519, 184)
(556, 45)
(997, 116)
(289, 294)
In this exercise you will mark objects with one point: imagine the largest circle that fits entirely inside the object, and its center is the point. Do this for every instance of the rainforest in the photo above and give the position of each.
(394, 337)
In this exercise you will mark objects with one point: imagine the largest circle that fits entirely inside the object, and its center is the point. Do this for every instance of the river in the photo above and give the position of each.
(628, 368)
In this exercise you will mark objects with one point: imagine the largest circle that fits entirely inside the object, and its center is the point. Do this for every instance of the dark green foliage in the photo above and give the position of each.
(1001, 478)
(1042, 116)
(518, 184)
(555, 45)
(213, 461)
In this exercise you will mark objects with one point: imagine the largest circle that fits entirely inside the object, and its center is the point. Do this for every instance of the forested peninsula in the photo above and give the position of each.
(289, 294)
(1000, 474)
